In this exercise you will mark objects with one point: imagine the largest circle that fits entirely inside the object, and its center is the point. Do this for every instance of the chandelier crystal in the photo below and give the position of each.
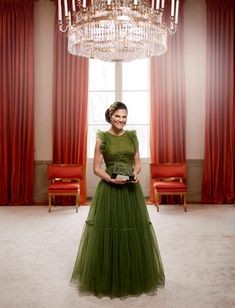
(117, 30)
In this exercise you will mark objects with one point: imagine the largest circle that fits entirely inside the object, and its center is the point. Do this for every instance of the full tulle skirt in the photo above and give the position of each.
(118, 253)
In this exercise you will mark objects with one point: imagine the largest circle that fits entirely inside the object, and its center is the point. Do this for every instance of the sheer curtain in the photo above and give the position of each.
(167, 107)
(70, 100)
(218, 178)
(16, 101)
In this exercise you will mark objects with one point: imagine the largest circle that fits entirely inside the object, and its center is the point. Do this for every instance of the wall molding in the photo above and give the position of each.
(194, 179)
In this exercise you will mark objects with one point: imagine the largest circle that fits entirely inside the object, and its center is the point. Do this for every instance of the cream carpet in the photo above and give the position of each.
(38, 251)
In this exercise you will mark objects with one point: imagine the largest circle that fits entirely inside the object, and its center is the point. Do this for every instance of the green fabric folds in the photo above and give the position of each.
(118, 253)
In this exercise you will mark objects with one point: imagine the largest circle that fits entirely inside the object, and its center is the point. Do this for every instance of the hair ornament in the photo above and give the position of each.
(113, 106)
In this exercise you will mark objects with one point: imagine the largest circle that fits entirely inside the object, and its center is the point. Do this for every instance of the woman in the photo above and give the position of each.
(118, 254)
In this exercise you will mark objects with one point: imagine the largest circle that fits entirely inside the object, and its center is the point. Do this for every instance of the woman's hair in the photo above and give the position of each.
(114, 107)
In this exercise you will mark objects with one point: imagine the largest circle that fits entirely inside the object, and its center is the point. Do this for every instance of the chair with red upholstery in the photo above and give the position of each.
(64, 181)
(169, 179)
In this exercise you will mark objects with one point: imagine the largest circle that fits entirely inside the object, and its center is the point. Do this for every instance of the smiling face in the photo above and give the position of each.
(119, 119)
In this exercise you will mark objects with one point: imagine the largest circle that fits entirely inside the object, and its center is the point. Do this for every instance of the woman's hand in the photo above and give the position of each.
(136, 178)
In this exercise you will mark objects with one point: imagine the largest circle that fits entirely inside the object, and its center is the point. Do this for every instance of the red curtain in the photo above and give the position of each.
(218, 179)
(16, 101)
(167, 89)
(70, 99)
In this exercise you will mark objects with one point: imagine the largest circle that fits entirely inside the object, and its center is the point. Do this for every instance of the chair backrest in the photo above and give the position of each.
(65, 171)
(168, 170)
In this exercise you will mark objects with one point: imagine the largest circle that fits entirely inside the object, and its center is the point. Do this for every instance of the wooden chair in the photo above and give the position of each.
(64, 181)
(169, 179)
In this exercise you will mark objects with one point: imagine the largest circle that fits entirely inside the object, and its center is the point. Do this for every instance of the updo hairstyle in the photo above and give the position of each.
(114, 107)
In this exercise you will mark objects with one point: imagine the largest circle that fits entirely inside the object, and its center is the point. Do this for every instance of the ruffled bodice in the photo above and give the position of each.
(118, 151)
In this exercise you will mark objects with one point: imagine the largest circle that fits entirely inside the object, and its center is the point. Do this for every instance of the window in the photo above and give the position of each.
(127, 82)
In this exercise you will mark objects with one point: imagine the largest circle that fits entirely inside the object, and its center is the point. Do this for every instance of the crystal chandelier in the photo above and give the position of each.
(117, 30)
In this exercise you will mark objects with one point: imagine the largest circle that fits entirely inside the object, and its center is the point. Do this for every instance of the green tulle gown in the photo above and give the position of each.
(118, 253)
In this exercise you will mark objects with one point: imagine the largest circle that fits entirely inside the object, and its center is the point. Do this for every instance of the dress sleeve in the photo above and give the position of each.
(104, 141)
(133, 137)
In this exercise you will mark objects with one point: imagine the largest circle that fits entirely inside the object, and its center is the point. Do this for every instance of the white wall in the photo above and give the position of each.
(195, 61)
(44, 41)
(195, 65)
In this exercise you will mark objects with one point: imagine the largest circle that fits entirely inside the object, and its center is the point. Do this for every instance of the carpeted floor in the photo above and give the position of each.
(38, 250)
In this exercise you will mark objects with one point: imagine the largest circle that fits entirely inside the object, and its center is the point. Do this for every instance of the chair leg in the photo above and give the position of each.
(49, 199)
(53, 200)
(77, 202)
(157, 206)
(156, 197)
(181, 200)
(185, 206)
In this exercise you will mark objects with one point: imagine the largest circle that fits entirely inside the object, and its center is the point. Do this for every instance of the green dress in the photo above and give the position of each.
(118, 253)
